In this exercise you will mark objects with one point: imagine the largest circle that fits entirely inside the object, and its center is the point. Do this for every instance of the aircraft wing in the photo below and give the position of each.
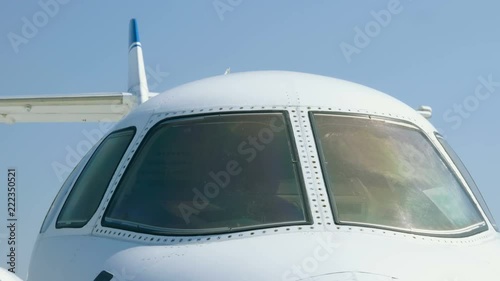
(95, 107)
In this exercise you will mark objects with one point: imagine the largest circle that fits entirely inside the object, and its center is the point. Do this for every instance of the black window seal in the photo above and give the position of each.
(133, 129)
(308, 220)
(476, 229)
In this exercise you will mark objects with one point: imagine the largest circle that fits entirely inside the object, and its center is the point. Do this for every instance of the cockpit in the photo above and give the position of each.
(229, 172)
(211, 174)
(386, 173)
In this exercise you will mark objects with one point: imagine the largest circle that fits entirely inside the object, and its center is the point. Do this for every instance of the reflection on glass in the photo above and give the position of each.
(386, 174)
(89, 188)
(470, 181)
(211, 174)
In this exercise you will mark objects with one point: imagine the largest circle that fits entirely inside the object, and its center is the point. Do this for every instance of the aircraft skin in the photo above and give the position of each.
(8, 276)
(323, 249)
(271, 253)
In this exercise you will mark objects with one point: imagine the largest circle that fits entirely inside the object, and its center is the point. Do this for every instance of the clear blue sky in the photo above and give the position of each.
(427, 53)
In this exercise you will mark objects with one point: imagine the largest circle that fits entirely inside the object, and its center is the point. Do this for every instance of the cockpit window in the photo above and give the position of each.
(68, 183)
(89, 188)
(468, 178)
(387, 174)
(217, 173)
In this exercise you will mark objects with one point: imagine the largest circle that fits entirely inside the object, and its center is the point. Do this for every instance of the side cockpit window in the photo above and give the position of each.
(211, 174)
(468, 178)
(90, 187)
(58, 200)
(387, 174)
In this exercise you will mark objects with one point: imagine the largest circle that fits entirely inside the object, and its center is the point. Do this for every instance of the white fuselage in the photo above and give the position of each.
(322, 249)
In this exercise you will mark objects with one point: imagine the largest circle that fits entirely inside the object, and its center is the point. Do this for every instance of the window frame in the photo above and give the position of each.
(63, 192)
(475, 191)
(308, 218)
(460, 233)
(133, 130)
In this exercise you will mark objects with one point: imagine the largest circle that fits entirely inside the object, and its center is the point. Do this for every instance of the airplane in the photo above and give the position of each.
(265, 175)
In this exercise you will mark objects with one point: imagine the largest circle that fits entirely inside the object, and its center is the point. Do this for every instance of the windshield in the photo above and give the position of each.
(468, 178)
(387, 174)
(211, 174)
(92, 183)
